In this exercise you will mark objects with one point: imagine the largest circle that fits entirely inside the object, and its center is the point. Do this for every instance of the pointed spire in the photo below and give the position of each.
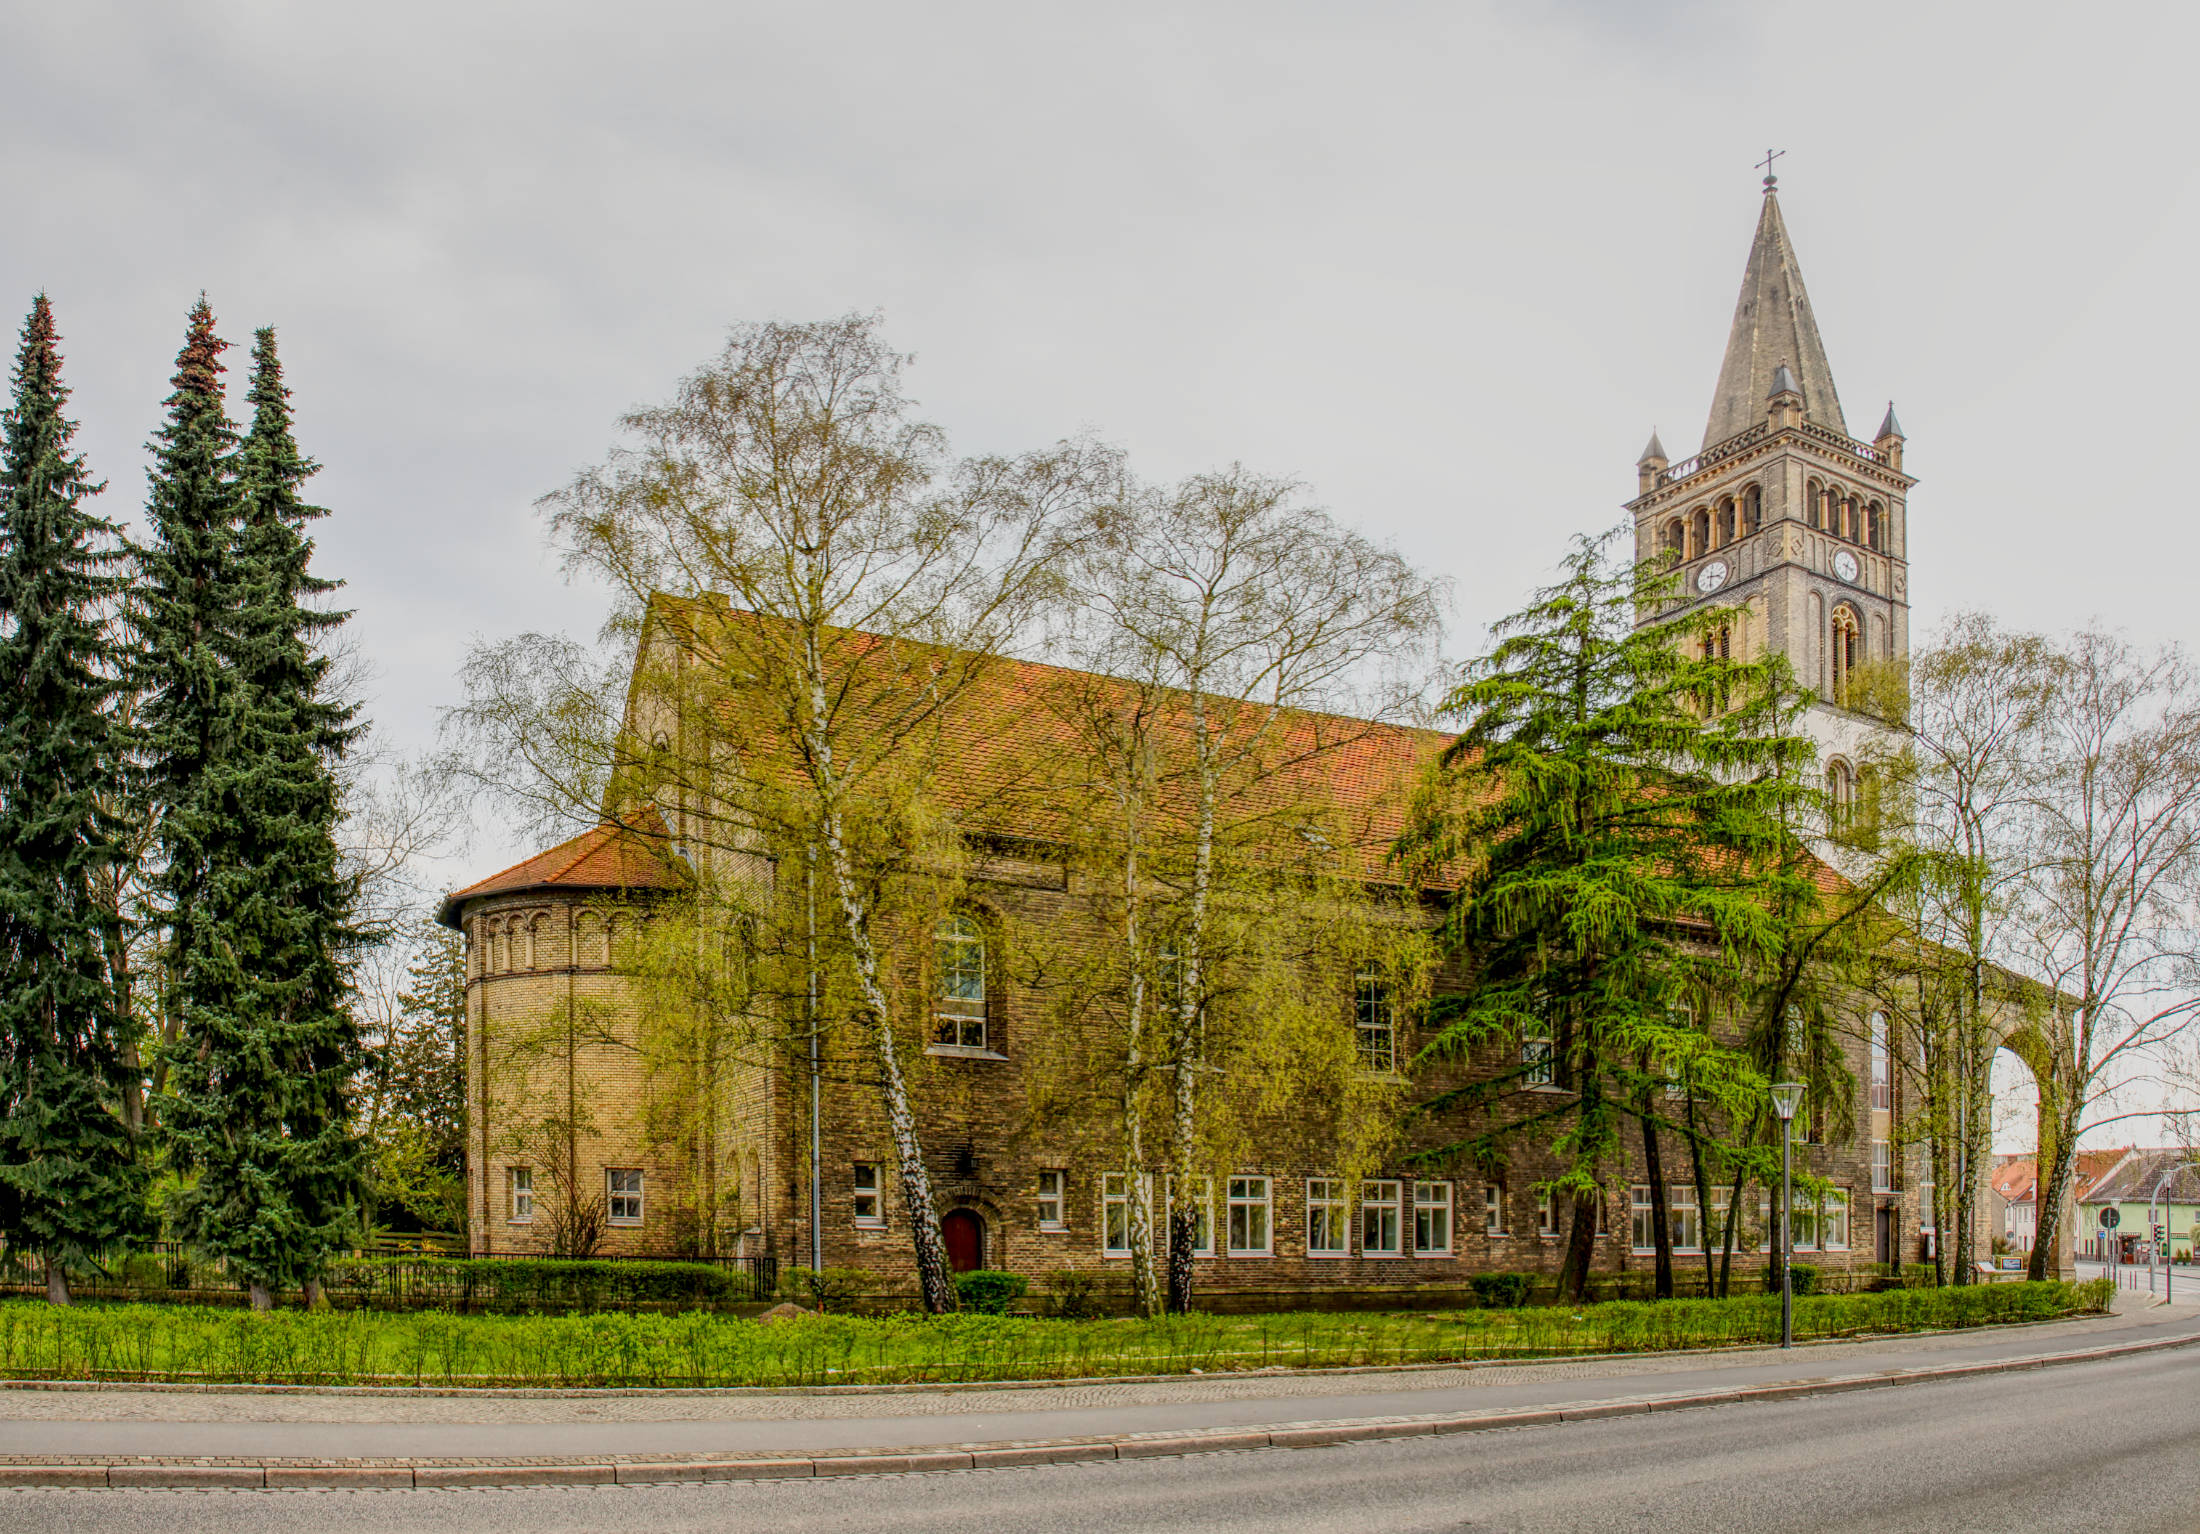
(1655, 452)
(1772, 326)
(1783, 382)
(1890, 427)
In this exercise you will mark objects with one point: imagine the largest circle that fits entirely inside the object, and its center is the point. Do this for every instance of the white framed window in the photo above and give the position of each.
(958, 1010)
(1882, 1167)
(1247, 1200)
(1714, 1228)
(1681, 1217)
(1535, 1055)
(868, 1204)
(1051, 1183)
(1115, 1213)
(1882, 1073)
(1928, 1204)
(1546, 1213)
(520, 1180)
(1493, 1212)
(1833, 1223)
(1200, 1195)
(1379, 1228)
(622, 1187)
(1432, 1219)
(1327, 1212)
(1805, 1214)
(1642, 1224)
(1377, 1025)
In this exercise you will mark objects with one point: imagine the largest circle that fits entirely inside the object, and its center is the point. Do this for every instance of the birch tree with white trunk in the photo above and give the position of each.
(1247, 607)
(856, 581)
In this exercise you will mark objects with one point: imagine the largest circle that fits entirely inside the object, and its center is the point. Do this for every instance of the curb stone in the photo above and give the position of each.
(146, 1474)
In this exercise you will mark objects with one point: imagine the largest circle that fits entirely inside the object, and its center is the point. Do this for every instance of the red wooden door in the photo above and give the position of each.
(964, 1233)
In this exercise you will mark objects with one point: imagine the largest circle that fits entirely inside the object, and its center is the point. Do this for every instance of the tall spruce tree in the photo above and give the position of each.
(71, 1182)
(1618, 809)
(243, 742)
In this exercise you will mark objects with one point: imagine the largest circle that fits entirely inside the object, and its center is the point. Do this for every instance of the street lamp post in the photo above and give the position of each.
(1786, 1097)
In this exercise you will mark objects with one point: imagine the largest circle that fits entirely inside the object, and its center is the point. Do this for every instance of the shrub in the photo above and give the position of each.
(1076, 1295)
(533, 1283)
(1502, 1291)
(1801, 1275)
(830, 1289)
(989, 1292)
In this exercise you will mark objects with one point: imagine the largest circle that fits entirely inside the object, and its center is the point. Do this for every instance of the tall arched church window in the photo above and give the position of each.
(1840, 791)
(958, 1004)
(1699, 542)
(1753, 510)
(1845, 652)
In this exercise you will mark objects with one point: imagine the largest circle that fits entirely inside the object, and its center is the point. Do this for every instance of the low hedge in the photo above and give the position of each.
(534, 1283)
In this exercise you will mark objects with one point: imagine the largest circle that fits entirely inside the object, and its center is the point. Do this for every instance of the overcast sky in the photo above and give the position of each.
(1449, 263)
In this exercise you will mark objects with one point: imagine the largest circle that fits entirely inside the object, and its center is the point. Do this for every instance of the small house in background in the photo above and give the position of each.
(2014, 1194)
(2128, 1189)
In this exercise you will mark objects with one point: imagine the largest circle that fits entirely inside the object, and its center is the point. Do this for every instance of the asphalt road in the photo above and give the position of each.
(2092, 1447)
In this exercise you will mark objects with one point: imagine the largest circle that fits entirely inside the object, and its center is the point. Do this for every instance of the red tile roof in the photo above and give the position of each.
(2018, 1181)
(1007, 758)
(612, 856)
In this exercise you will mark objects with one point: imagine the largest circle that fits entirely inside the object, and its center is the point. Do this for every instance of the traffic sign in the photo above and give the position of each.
(2111, 1217)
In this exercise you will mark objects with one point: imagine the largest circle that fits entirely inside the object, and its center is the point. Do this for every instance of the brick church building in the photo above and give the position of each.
(1781, 514)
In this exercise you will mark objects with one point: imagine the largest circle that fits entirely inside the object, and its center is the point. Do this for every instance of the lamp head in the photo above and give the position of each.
(1787, 1096)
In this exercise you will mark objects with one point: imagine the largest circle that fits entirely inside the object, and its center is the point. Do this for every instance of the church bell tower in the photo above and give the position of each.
(1781, 513)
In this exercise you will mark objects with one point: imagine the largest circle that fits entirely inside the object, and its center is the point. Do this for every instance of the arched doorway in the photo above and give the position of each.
(963, 1230)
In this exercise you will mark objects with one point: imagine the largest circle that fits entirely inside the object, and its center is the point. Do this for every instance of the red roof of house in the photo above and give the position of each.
(613, 856)
(2018, 1181)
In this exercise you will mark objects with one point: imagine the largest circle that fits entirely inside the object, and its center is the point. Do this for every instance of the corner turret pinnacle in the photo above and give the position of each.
(1773, 325)
(1890, 427)
(1654, 453)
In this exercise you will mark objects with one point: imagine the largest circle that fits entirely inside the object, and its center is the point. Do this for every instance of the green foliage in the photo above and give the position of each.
(1803, 1278)
(71, 1184)
(1618, 813)
(989, 1292)
(550, 1283)
(699, 1350)
(1076, 1295)
(1505, 1291)
(243, 740)
(831, 1290)
(413, 1101)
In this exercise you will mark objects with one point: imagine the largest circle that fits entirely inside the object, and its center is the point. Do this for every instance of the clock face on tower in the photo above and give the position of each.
(1711, 577)
(1844, 565)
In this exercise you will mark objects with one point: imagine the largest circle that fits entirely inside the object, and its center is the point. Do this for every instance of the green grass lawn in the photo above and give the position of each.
(365, 1347)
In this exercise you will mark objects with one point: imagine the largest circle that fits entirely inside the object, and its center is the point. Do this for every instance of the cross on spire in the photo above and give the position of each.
(1765, 165)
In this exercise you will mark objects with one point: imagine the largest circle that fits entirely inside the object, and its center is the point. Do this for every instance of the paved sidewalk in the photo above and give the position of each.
(245, 1427)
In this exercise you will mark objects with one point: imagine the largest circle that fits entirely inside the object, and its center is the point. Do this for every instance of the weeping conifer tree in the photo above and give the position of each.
(71, 1183)
(241, 745)
(1621, 801)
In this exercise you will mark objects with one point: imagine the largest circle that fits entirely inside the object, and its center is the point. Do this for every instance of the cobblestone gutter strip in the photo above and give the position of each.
(212, 1473)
